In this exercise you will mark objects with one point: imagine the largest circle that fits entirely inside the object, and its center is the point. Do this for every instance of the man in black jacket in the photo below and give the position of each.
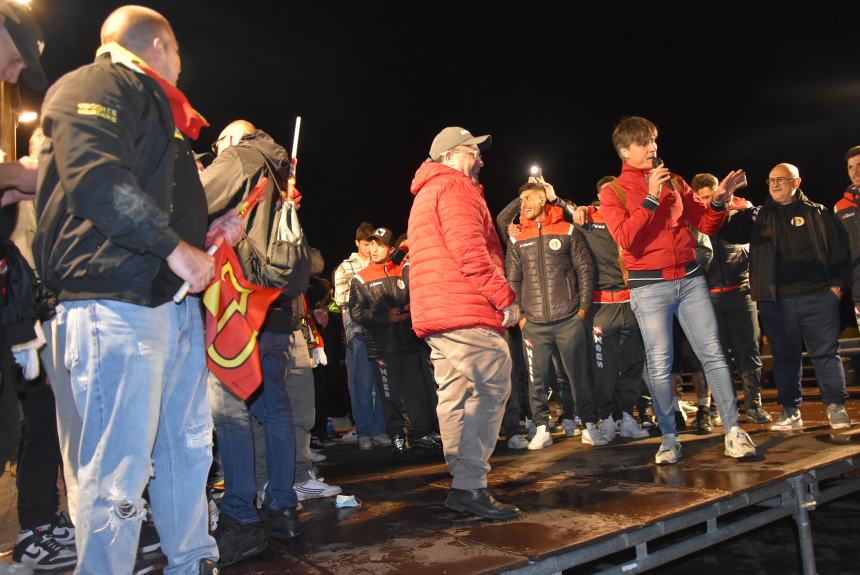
(798, 256)
(122, 221)
(379, 302)
(729, 285)
(245, 155)
(551, 271)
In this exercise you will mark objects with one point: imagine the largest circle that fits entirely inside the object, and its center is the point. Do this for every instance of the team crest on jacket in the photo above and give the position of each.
(400, 284)
(797, 221)
(555, 244)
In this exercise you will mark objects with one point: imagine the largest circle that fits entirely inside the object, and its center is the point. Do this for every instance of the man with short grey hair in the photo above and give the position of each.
(461, 304)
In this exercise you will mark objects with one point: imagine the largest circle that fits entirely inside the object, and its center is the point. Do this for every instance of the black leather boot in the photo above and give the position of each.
(282, 523)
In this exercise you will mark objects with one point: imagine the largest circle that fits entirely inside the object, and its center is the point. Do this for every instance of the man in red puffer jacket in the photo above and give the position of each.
(461, 304)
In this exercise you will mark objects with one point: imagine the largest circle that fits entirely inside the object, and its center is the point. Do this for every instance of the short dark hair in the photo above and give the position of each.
(704, 180)
(603, 181)
(855, 151)
(633, 129)
(364, 231)
(531, 186)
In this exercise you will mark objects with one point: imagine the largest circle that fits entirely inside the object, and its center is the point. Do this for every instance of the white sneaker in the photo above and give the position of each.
(541, 438)
(688, 408)
(606, 428)
(631, 428)
(789, 420)
(838, 417)
(670, 450)
(518, 441)
(315, 489)
(350, 437)
(317, 456)
(592, 436)
(570, 428)
(739, 444)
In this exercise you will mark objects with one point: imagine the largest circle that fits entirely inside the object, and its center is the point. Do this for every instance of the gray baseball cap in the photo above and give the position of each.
(454, 136)
(22, 26)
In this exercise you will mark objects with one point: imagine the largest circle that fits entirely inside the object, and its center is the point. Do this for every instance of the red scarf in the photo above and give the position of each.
(187, 119)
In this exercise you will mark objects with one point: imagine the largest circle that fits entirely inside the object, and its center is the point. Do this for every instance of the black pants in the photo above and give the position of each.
(40, 460)
(519, 383)
(568, 336)
(737, 318)
(617, 358)
(407, 389)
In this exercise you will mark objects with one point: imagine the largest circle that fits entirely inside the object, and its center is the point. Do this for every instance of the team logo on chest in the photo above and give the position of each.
(400, 284)
(797, 221)
(555, 244)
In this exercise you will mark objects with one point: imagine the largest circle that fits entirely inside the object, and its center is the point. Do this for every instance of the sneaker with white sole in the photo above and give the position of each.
(606, 428)
(530, 428)
(739, 444)
(351, 437)
(688, 408)
(541, 439)
(631, 428)
(570, 428)
(789, 420)
(381, 440)
(318, 456)
(62, 529)
(591, 435)
(38, 549)
(758, 415)
(365, 442)
(670, 450)
(838, 417)
(518, 441)
(315, 488)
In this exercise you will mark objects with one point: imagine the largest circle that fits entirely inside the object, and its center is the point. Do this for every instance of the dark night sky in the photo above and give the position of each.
(729, 85)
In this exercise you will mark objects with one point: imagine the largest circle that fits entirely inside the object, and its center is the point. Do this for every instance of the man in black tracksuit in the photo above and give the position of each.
(551, 271)
(798, 268)
(617, 353)
(728, 282)
(379, 302)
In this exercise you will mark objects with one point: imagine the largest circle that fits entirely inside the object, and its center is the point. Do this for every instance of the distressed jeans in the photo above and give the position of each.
(138, 378)
(687, 298)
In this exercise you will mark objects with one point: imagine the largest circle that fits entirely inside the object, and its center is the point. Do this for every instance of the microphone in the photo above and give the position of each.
(656, 163)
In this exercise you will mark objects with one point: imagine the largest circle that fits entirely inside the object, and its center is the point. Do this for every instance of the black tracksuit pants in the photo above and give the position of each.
(407, 389)
(539, 341)
(737, 317)
(617, 357)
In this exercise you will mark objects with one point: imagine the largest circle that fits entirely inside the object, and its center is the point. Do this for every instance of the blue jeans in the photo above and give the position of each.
(688, 299)
(138, 378)
(270, 405)
(813, 320)
(367, 413)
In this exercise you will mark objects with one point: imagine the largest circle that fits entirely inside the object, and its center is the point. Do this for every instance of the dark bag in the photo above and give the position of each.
(273, 251)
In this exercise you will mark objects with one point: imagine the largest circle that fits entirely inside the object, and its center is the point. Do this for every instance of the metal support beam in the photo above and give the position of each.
(803, 504)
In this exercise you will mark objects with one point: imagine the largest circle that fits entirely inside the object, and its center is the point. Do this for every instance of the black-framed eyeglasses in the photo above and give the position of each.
(214, 146)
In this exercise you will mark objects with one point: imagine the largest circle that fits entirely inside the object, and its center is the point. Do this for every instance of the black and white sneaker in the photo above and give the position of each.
(37, 548)
(62, 529)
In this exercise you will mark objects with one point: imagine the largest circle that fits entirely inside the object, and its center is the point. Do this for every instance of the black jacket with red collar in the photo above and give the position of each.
(550, 269)
(375, 291)
(847, 213)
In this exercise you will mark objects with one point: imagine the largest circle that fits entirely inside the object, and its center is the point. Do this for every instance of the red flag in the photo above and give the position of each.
(235, 311)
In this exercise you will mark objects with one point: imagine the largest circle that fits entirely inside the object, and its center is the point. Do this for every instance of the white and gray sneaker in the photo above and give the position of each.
(541, 439)
(531, 429)
(315, 488)
(789, 420)
(739, 444)
(571, 429)
(38, 549)
(518, 441)
(591, 435)
(838, 417)
(670, 450)
(631, 428)
(606, 428)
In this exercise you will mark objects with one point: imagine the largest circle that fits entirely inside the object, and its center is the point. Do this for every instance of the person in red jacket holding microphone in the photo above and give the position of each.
(649, 211)
(461, 304)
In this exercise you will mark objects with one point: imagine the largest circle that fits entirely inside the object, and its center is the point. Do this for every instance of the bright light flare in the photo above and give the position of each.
(27, 116)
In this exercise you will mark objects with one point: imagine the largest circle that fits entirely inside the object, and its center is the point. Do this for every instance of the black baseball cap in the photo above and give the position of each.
(22, 26)
(383, 236)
